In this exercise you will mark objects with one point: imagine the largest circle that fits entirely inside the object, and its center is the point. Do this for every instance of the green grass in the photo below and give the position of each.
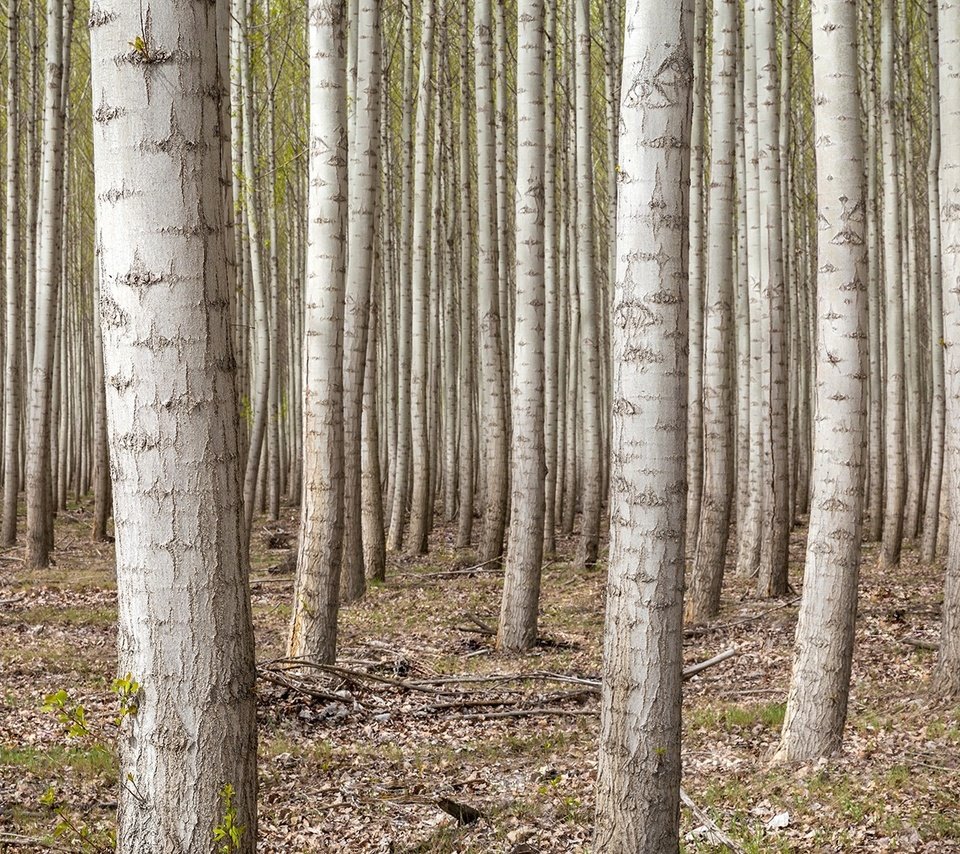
(49, 762)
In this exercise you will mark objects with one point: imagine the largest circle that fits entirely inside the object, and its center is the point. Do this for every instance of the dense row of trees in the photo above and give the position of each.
(690, 264)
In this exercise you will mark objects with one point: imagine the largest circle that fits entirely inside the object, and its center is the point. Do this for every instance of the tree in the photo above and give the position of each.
(589, 305)
(11, 423)
(638, 781)
(521, 587)
(817, 703)
(49, 246)
(947, 675)
(493, 407)
(173, 427)
(893, 304)
(313, 626)
(706, 577)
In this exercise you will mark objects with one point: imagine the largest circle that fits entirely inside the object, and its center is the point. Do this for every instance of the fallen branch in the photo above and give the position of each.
(699, 631)
(694, 669)
(297, 685)
(714, 829)
(919, 643)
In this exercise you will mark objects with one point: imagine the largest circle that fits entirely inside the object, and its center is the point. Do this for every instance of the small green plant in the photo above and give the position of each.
(70, 827)
(71, 714)
(127, 690)
(228, 833)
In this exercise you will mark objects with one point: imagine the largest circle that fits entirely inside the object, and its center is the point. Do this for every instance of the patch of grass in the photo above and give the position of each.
(50, 615)
(733, 717)
(50, 761)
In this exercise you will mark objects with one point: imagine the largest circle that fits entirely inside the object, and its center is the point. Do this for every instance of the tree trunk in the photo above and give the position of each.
(172, 414)
(706, 578)
(894, 415)
(421, 507)
(313, 625)
(931, 519)
(817, 703)
(638, 777)
(521, 587)
(362, 186)
(589, 342)
(11, 420)
(947, 676)
(493, 410)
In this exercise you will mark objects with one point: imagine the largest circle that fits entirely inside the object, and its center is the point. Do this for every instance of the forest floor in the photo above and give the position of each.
(357, 761)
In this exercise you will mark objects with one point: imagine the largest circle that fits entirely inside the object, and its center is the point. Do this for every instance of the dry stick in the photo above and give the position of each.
(715, 830)
(919, 643)
(356, 675)
(698, 631)
(297, 685)
(528, 713)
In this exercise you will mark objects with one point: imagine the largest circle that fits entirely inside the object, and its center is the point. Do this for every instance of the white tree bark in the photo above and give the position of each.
(184, 612)
(421, 507)
(947, 676)
(638, 779)
(817, 703)
(362, 186)
(521, 587)
(313, 626)
(493, 409)
(39, 414)
(589, 342)
(895, 475)
(706, 577)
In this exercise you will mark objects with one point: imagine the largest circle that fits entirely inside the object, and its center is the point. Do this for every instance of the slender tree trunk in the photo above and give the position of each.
(589, 342)
(947, 675)
(638, 777)
(706, 578)
(894, 415)
(39, 423)
(11, 422)
(257, 280)
(695, 439)
(931, 519)
(172, 414)
(421, 508)
(493, 409)
(465, 477)
(313, 626)
(521, 588)
(364, 172)
(819, 689)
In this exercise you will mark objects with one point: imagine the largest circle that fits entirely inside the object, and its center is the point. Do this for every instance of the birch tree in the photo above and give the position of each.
(817, 702)
(313, 625)
(521, 587)
(185, 629)
(638, 778)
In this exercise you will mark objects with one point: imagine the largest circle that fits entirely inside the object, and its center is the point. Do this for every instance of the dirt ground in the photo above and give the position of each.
(356, 761)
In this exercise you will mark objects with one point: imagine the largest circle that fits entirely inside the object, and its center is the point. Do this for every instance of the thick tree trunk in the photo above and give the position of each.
(521, 587)
(313, 626)
(638, 778)
(172, 413)
(817, 703)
